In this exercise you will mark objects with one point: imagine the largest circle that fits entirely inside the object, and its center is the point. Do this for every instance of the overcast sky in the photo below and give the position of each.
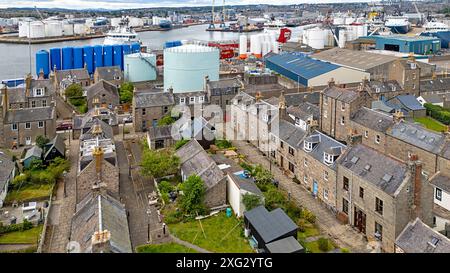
(123, 4)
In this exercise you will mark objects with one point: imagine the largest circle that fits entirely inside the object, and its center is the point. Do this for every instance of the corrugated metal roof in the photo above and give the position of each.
(300, 65)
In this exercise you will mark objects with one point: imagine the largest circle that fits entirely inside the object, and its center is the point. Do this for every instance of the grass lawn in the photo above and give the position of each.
(30, 236)
(29, 193)
(313, 247)
(164, 248)
(216, 228)
(431, 124)
(309, 232)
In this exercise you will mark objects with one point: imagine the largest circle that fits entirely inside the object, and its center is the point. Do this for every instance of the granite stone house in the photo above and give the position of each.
(7, 174)
(104, 94)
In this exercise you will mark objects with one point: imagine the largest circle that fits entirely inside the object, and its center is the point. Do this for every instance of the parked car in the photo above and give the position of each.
(128, 119)
(64, 126)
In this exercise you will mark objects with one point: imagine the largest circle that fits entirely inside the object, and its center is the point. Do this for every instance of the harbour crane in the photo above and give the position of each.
(222, 24)
(211, 25)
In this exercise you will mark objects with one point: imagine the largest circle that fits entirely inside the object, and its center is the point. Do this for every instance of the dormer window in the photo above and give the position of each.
(393, 88)
(191, 100)
(307, 146)
(328, 159)
(182, 100)
(38, 92)
(265, 117)
(201, 99)
(377, 90)
(342, 107)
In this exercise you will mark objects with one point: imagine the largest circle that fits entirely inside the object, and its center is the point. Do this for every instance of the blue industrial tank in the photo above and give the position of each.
(55, 58)
(126, 49)
(67, 58)
(135, 47)
(108, 55)
(98, 56)
(43, 62)
(118, 56)
(88, 58)
(78, 58)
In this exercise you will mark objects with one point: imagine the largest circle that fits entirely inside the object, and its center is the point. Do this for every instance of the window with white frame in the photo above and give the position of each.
(366, 134)
(38, 92)
(265, 117)
(342, 106)
(377, 139)
(305, 162)
(325, 194)
(44, 103)
(305, 179)
(325, 175)
(328, 159)
(307, 146)
(191, 100)
(182, 100)
(438, 194)
(33, 104)
(342, 120)
(40, 124)
(27, 125)
(14, 127)
(201, 99)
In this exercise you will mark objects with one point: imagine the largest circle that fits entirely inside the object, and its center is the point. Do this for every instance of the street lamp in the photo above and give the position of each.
(64, 176)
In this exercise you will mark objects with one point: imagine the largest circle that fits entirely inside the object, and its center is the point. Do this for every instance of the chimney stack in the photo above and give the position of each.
(28, 81)
(282, 106)
(331, 82)
(258, 96)
(41, 74)
(101, 242)
(398, 116)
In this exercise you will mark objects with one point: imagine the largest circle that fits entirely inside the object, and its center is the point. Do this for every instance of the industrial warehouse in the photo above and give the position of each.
(306, 128)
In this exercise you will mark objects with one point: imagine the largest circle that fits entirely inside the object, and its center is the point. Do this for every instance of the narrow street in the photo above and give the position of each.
(343, 235)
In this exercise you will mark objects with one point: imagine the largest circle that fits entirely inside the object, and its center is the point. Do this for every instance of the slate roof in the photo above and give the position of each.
(382, 106)
(225, 83)
(152, 99)
(246, 184)
(109, 73)
(100, 86)
(285, 245)
(7, 167)
(79, 74)
(195, 160)
(417, 237)
(107, 131)
(324, 144)
(30, 114)
(407, 101)
(18, 94)
(372, 119)
(289, 133)
(270, 225)
(446, 150)
(58, 143)
(160, 132)
(376, 168)
(384, 87)
(86, 120)
(304, 111)
(418, 136)
(353, 58)
(103, 212)
(340, 94)
(435, 85)
(436, 98)
(441, 181)
(295, 99)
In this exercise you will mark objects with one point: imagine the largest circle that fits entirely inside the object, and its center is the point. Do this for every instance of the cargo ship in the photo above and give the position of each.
(438, 30)
(122, 34)
(398, 24)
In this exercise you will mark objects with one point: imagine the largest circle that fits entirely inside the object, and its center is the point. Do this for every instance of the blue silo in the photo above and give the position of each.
(135, 48)
(98, 56)
(43, 62)
(55, 58)
(88, 58)
(67, 58)
(118, 56)
(78, 57)
(108, 55)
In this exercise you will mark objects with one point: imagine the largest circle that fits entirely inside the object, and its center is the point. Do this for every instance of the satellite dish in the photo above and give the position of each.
(73, 247)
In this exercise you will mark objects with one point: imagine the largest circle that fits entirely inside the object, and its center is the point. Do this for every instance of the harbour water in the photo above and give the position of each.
(15, 58)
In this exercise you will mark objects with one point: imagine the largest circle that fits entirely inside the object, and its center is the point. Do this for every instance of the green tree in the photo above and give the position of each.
(36, 164)
(274, 198)
(251, 201)
(180, 143)
(159, 163)
(74, 90)
(126, 92)
(192, 200)
(166, 120)
(41, 141)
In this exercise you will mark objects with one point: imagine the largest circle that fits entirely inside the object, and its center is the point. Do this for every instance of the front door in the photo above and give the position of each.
(315, 188)
(360, 220)
(28, 141)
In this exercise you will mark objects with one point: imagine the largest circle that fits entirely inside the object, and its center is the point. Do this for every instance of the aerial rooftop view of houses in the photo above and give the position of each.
(307, 128)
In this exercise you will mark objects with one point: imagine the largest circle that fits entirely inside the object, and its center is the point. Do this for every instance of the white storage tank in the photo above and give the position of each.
(135, 22)
(349, 20)
(342, 38)
(139, 67)
(256, 46)
(338, 21)
(79, 29)
(316, 38)
(115, 22)
(53, 29)
(67, 29)
(266, 48)
(24, 29)
(186, 66)
(37, 30)
(243, 43)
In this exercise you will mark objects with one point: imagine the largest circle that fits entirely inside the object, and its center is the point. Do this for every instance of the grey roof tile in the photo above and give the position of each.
(152, 99)
(372, 119)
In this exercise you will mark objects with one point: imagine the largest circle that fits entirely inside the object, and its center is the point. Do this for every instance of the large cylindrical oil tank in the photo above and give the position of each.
(186, 66)
(115, 21)
(24, 29)
(88, 58)
(266, 48)
(135, 48)
(108, 55)
(55, 58)
(67, 29)
(78, 58)
(139, 67)
(338, 21)
(256, 46)
(43, 62)
(79, 29)
(316, 38)
(98, 56)
(67, 58)
(37, 30)
(53, 29)
(342, 38)
(118, 56)
(243, 44)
